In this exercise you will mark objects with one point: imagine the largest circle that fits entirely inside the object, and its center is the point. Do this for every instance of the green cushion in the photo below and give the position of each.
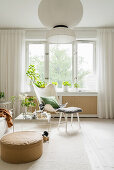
(50, 100)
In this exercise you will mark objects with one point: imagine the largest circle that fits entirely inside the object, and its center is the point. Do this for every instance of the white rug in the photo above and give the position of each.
(63, 152)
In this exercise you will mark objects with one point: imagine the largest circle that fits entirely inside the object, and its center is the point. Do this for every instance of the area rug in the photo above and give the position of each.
(64, 151)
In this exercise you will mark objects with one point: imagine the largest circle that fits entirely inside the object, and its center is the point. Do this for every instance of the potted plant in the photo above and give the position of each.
(55, 83)
(31, 73)
(40, 84)
(13, 100)
(1, 95)
(28, 102)
(66, 84)
(76, 86)
(35, 77)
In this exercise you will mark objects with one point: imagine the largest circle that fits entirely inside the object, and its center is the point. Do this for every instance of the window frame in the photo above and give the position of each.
(74, 57)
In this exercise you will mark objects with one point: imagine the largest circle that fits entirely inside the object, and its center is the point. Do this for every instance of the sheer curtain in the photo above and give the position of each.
(105, 73)
(12, 62)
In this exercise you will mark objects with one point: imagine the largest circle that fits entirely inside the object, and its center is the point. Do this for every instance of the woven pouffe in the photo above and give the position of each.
(21, 147)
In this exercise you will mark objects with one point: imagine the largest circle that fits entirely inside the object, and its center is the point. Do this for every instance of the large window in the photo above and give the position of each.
(64, 62)
(60, 63)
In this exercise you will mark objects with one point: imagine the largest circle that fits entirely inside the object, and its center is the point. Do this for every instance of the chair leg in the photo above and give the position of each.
(66, 121)
(71, 119)
(60, 119)
(78, 120)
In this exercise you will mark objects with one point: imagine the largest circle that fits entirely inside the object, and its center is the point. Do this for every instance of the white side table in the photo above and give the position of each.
(41, 121)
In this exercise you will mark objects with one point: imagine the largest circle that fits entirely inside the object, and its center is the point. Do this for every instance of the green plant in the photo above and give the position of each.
(35, 77)
(76, 85)
(28, 102)
(40, 84)
(1, 95)
(13, 98)
(31, 73)
(55, 83)
(66, 83)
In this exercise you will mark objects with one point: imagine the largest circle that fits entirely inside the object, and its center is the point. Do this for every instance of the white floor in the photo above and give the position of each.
(97, 135)
(99, 142)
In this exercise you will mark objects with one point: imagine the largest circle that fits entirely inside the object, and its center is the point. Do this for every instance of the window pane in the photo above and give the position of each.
(60, 63)
(86, 76)
(36, 57)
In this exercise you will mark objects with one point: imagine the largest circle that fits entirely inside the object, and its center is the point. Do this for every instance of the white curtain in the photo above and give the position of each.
(12, 62)
(105, 73)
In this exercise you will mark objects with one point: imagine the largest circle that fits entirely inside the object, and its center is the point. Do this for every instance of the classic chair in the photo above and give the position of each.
(62, 110)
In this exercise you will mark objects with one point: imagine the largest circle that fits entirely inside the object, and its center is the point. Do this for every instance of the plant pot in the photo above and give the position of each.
(31, 88)
(2, 100)
(55, 86)
(76, 89)
(65, 88)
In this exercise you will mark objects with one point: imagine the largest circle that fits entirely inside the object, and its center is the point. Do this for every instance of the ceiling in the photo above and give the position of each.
(24, 14)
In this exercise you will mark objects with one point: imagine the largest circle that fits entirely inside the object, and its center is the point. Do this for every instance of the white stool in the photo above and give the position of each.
(71, 111)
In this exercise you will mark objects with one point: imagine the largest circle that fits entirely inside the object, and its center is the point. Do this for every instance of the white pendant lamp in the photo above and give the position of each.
(60, 34)
(59, 16)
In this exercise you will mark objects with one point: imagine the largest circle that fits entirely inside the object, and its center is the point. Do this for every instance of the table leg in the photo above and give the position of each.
(60, 119)
(71, 119)
(66, 121)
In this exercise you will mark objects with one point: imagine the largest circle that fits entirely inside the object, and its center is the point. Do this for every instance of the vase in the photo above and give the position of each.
(55, 86)
(65, 88)
(25, 114)
(76, 89)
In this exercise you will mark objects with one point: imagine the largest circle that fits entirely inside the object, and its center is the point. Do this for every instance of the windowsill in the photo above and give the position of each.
(70, 92)
(73, 92)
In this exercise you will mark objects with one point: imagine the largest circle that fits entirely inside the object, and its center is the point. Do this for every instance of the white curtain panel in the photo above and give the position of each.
(105, 73)
(12, 62)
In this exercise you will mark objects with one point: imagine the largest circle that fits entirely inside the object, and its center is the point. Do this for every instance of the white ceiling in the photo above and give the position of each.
(24, 14)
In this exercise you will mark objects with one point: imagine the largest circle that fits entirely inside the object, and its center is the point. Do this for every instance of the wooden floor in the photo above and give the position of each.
(99, 142)
(98, 138)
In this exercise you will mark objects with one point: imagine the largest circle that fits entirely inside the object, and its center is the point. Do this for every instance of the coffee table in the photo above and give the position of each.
(28, 117)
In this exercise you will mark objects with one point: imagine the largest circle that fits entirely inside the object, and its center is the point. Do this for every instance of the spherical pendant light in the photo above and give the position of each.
(60, 12)
(56, 13)
(60, 35)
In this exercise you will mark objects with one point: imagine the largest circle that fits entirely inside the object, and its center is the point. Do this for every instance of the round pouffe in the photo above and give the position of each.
(21, 147)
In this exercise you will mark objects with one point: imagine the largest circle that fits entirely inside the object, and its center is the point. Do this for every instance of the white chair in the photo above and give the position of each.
(49, 90)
